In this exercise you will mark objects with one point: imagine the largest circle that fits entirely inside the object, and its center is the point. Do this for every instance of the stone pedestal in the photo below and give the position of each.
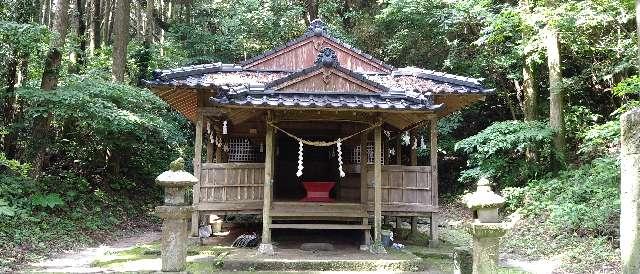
(486, 244)
(630, 191)
(175, 213)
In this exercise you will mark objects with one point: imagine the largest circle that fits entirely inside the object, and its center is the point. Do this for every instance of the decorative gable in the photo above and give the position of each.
(299, 54)
(326, 75)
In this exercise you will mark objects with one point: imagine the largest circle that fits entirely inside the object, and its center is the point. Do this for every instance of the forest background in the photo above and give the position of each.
(82, 139)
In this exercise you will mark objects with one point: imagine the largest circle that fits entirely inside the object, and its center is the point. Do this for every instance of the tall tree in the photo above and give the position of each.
(50, 75)
(556, 96)
(638, 28)
(529, 89)
(121, 40)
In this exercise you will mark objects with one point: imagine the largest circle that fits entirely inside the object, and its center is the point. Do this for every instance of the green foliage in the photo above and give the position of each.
(601, 140)
(510, 152)
(230, 30)
(583, 200)
(50, 200)
(118, 123)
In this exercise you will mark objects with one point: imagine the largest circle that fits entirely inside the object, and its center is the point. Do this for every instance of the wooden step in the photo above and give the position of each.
(321, 226)
(309, 209)
(291, 213)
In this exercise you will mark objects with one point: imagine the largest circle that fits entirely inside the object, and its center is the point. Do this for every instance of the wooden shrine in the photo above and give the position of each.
(356, 117)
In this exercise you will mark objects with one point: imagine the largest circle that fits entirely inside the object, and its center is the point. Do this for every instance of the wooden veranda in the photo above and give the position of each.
(251, 118)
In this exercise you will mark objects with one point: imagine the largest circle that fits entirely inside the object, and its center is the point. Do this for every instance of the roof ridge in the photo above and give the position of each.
(439, 76)
(169, 74)
(316, 28)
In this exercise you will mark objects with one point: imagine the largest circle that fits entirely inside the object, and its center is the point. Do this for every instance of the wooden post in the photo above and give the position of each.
(364, 187)
(399, 151)
(197, 163)
(413, 162)
(414, 225)
(433, 225)
(218, 148)
(413, 154)
(265, 246)
(210, 148)
(377, 186)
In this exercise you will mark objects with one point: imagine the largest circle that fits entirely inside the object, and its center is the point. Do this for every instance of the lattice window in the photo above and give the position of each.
(241, 150)
(355, 155)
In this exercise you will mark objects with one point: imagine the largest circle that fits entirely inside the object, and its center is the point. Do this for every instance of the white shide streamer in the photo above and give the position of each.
(339, 145)
(300, 160)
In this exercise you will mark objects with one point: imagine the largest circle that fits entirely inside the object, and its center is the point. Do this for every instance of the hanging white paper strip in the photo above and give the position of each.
(300, 160)
(224, 127)
(339, 145)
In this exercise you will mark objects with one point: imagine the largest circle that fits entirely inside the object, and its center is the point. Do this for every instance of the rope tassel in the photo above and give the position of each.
(339, 144)
(300, 160)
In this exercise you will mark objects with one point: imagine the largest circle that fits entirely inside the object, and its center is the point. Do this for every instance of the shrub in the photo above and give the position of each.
(584, 200)
(511, 152)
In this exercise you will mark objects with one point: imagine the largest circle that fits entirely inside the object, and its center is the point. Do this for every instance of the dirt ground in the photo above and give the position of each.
(287, 241)
(79, 261)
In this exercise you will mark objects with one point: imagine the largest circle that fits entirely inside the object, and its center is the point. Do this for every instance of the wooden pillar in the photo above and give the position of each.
(210, 150)
(414, 225)
(265, 246)
(413, 155)
(413, 162)
(364, 186)
(433, 230)
(398, 151)
(219, 151)
(197, 163)
(377, 186)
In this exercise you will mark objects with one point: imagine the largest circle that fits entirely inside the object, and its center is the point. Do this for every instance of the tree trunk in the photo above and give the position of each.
(148, 28)
(104, 22)
(556, 97)
(60, 11)
(49, 81)
(530, 104)
(121, 39)
(311, 6)
(96, 18)
(8, 143)
(76, 56)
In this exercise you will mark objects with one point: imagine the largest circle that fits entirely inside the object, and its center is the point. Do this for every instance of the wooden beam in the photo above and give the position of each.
(319, 226)
(333, 115)
(268, 182)
(377, 170)
(197, 162)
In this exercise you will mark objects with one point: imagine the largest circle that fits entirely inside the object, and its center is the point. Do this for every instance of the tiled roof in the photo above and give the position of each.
(255, 98)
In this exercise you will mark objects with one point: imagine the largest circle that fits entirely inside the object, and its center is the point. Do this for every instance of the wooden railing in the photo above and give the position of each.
(231, 186)
(404, 188)
(238, 187)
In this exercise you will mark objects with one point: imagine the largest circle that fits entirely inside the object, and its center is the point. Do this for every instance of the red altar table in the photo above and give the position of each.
(318, 191)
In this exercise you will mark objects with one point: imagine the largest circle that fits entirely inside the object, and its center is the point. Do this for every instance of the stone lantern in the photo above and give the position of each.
(175, 212)
(485, 228)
